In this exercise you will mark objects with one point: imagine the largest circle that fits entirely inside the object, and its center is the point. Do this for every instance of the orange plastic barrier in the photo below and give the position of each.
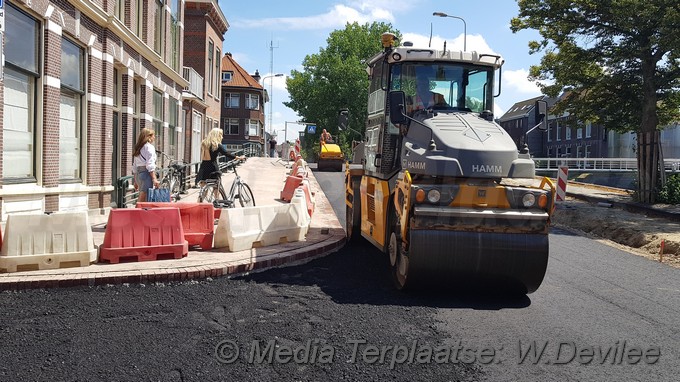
(292, 182)
(135, 234)
(304, 186)
(198, 221)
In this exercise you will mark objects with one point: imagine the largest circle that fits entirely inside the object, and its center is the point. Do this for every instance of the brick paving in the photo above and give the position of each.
(266, 178)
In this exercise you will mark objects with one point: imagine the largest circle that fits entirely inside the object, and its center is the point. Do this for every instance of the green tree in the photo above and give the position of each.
(333, 79)
(617, 62)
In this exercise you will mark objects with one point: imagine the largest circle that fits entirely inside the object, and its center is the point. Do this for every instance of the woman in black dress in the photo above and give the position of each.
(211, 147)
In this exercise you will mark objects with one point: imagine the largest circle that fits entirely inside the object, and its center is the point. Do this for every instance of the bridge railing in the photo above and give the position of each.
(599, 164)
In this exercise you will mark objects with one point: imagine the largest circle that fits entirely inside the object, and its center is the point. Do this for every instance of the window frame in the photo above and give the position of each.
(229, 123)
(158, 118)
(228, 97)
(210, 80)
(249, 99)
(77, 92)
(159, 27)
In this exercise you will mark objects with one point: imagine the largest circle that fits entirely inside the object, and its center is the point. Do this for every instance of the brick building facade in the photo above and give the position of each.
(80, 79)
(242, 108)
(204, 29)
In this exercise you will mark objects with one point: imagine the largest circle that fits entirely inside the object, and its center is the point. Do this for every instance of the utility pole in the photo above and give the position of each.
(271, 83)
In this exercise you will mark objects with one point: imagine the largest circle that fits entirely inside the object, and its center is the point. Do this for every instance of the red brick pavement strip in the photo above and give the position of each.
(203, 264)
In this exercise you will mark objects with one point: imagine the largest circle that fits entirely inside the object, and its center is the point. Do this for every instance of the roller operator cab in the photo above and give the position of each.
(438, 185)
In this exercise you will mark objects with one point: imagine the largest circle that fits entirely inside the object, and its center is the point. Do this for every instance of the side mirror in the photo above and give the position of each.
(397, 104)
(541, 113)
(343, 119)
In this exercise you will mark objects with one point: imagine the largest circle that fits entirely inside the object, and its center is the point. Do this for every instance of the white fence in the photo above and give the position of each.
(599, 164)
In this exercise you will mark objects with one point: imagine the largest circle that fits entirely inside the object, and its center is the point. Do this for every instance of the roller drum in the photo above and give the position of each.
(478, 259)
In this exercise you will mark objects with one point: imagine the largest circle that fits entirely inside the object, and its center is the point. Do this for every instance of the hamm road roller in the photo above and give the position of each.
(438, 188)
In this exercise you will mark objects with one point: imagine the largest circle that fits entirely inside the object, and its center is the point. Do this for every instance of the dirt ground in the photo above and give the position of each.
(633, 232)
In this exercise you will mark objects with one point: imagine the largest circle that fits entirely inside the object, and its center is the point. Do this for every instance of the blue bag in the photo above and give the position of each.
(158, 195)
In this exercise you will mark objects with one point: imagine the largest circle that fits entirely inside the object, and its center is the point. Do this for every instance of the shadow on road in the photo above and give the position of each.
(360, 274)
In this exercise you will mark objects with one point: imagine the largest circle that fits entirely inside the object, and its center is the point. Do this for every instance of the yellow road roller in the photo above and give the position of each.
(442, 188)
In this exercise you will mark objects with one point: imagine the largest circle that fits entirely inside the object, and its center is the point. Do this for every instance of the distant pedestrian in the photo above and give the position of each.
(272, 147)
(144, 163)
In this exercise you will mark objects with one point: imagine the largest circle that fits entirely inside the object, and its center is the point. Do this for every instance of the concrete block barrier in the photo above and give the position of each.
(136, 234)
(198, 221)
(37, 242)
(252, 227)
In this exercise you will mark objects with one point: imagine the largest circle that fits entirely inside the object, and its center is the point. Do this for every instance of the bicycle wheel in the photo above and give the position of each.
(207, 193)
(175, 188)
(245, 196)
(165, 183)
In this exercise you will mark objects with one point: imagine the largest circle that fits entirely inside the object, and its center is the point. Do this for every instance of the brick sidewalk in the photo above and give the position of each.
(266, 177)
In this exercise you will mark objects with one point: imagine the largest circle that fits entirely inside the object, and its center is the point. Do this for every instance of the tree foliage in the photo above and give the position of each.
(336, 78)
(617, 60)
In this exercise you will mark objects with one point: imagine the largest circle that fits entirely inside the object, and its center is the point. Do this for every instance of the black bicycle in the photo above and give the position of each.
(172, 176)
(239, 191)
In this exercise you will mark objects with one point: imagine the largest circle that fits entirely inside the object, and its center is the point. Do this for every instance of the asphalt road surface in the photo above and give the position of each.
(600, 315)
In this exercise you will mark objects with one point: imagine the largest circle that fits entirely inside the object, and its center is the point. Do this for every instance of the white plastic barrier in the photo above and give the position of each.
(251, 227)
(35, 242)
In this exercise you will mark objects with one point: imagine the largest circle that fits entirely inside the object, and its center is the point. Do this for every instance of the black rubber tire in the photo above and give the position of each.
(208, 194)
(353, 215)
(249, 199)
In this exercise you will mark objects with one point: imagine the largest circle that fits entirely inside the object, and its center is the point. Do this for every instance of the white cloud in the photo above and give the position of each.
(336, 17)
(473, 43)
(517, 81)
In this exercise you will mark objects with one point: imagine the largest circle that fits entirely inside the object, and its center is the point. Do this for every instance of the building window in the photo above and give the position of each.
(217, 73)
(550, 132)
(158, 118)
(172, 127)
(253, 127)
(159, 28)
(231, 100)
(589, 129)
(21, 73)
(136, 106)
(579, 152)
(230, 126)
(119, 10)
(139, 25)
(70, 124)
(210, 80)
(579, 133)
(226, 76)
(175, 34)
(252, 102)
(559, 131)
(588, 151)
(568, 132)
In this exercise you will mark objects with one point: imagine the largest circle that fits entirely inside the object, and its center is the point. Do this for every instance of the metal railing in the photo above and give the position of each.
(195, 81)
(599, 164)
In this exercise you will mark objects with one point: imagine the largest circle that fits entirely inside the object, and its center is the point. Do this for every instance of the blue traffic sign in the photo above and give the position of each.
(311, 129)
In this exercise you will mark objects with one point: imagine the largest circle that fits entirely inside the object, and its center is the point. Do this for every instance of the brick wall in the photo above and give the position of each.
(102, 50)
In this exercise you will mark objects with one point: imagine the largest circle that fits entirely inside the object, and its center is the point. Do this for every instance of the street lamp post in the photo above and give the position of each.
(442, 14)
(271, 97)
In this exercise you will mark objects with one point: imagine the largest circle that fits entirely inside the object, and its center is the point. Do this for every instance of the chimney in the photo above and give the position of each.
(256, 76)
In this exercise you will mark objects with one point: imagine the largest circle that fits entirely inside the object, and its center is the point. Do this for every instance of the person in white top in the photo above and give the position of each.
(144, 163)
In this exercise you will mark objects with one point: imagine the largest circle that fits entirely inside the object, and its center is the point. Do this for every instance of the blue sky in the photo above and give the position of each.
(297, 28)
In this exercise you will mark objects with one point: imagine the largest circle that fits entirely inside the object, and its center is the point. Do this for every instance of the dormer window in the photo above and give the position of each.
(226, 76)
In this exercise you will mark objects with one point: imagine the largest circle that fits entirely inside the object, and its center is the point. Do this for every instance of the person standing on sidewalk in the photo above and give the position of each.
(272, 147)
(211, 147)
(144, 163)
